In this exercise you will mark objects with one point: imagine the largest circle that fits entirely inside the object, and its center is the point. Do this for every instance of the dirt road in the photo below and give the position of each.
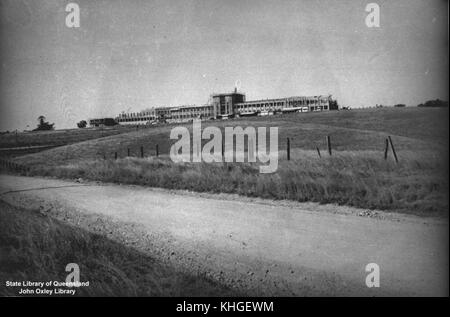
(256, 246)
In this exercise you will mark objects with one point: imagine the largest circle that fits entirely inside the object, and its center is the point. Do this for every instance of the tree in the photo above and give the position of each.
(434, 103)
(82, 124)
(43, 125)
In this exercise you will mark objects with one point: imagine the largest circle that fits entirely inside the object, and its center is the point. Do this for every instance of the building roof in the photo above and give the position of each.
(284, 98)
(228, 94)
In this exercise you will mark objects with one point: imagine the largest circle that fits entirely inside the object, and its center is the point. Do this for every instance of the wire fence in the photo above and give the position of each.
(142, 152)
(250, 149)
(10, 166)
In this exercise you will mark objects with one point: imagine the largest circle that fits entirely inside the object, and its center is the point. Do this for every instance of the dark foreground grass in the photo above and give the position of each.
(418, 184)
(35, 247)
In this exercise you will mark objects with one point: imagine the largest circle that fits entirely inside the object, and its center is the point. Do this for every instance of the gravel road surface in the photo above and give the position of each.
(260, 247)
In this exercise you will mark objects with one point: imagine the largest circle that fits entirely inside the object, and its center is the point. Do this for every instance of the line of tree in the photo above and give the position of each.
(434, 103)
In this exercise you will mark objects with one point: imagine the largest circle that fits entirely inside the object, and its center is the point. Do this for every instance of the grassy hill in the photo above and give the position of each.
(13, 144)
(356, 174)
(413, 129)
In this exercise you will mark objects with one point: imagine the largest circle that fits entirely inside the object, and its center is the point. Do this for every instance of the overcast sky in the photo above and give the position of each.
(131, 55)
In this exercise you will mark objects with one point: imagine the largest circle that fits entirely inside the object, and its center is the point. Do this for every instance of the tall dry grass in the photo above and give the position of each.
(417, 184)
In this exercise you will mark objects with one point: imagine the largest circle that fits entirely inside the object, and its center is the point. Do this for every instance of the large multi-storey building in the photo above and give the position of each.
(226, 105)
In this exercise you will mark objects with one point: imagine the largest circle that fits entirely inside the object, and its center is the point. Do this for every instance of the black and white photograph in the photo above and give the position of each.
(223, 154)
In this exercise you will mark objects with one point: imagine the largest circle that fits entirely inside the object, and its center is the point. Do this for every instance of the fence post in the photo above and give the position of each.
(128, 152)
(318, 151)
(386, 148)
(223, 149)
(393, 149)
(288, 149)
(329, 144)
(115, 155)
(142, 152)
(157, 150)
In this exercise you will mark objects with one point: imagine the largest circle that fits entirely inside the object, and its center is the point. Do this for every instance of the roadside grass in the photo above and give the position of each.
(36, 247)
(418, 184)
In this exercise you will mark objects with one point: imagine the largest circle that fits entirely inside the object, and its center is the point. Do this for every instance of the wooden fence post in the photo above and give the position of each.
(115, 155)
(288, 149)
(157, 150)
(128, 152)
(142, 152)
(386, 148)
(329, 144)
(393, 149)
(318, 151)
(223, 149)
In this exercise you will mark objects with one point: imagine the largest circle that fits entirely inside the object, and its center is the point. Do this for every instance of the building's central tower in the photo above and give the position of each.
(224, 103)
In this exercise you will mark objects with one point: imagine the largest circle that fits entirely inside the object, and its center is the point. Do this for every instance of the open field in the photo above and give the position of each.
(36, 247)
(356, 174)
